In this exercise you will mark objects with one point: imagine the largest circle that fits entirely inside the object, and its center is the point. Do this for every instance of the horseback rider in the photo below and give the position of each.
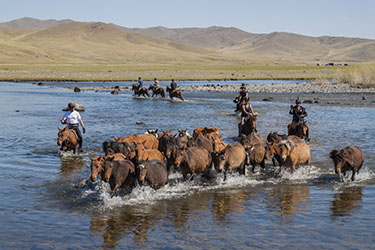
(156, 83)
(246, 111)
(139, 83)
(240, 97)
(173, 85)
(298, 112)
(72, 118)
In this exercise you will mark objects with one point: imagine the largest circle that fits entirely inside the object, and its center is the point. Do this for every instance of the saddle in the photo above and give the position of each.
(74, 132)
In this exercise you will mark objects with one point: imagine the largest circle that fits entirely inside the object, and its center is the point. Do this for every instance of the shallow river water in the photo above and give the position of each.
(42, 206)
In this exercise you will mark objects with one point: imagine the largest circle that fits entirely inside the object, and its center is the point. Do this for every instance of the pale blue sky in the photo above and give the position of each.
(348, 18)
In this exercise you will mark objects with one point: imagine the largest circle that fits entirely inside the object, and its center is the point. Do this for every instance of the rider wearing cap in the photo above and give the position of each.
(72, 118)
(298, 112)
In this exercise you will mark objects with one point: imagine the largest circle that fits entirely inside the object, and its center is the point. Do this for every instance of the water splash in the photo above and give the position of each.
(176, 189)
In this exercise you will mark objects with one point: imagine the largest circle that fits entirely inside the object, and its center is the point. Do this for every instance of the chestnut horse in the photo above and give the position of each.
(299, 129)
(67, 139)
(140, 91)
(174, 93)
(156, 91)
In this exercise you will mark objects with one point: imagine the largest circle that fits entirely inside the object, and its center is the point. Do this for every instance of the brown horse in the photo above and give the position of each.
(271, 149)
(349, 158)
(174, 93)
(249, 126)
(67, 139)
(140, 91)
(254, 146)
(97, 164)
(232, 157)
(293, 154)
(299, 129)
(156, 91)
(213, 135)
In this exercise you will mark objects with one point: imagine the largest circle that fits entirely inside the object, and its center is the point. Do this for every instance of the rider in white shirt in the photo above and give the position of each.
(72, 118)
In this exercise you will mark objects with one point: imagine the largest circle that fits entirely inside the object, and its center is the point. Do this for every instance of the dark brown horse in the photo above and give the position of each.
(249, 126)
(67, 139)
(140, 91)
(156, 91)
(97, 164)
(254, 146)
(299, 129)
(174, 93)
(349, 158)
(152, 173)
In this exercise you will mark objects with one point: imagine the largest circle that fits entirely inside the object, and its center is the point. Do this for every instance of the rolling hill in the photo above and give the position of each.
(72, 42)
(274, 46)
(29, 39)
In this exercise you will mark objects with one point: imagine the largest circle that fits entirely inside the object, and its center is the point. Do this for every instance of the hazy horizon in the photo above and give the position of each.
(318, 18)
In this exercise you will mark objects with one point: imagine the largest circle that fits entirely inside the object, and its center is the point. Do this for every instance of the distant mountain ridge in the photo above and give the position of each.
(81, 42)
(212, 43)
(28, 23)
(276, 45)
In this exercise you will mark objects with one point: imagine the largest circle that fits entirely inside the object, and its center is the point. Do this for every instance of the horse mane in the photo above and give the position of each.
(288, 143)
(272, 136)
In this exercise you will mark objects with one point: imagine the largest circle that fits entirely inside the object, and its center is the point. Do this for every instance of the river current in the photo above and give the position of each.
(43, 207)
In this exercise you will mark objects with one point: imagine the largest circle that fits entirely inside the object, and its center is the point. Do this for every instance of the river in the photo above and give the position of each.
(42, 206)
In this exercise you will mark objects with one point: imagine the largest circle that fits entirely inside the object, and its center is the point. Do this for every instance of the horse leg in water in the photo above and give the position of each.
(191, 177)
(114, 191)
(274, 161)
(225, 175)
(307, 135)
(243, 167)
(353, 174)
(263, 164)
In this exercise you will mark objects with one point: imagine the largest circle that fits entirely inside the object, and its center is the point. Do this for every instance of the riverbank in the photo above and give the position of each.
(305, 87)
(309, 93)
(162, 71)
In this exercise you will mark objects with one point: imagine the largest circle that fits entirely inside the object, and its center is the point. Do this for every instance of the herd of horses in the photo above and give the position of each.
(147, 159)
(141, 91)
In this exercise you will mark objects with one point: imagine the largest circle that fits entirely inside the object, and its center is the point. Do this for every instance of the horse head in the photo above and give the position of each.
(96, 167)
(286, 147)
(62, 135)
(338, 159)
(270, 149)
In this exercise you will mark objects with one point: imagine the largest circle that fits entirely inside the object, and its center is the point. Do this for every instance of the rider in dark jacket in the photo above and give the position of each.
(298, 112)
(173, 85)
(239, 99)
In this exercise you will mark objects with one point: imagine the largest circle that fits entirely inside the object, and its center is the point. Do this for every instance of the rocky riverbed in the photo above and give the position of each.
(305, 87)
(284, 88)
